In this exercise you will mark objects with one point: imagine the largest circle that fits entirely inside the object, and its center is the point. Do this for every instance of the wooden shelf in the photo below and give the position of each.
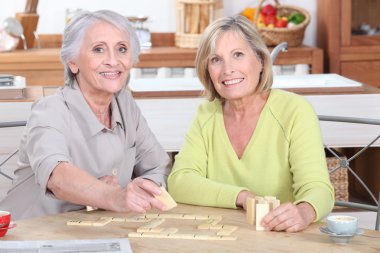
(43, 66)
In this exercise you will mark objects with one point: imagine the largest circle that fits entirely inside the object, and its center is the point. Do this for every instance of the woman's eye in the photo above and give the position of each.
(98, 50)
(214, 60)
(238, 54)
(123, 49)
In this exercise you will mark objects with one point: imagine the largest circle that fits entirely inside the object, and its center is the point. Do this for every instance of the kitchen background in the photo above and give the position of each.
(161, 13)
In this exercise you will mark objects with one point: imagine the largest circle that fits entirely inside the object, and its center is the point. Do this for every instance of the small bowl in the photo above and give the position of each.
(4, 230)
(5, 219)
(342, 224)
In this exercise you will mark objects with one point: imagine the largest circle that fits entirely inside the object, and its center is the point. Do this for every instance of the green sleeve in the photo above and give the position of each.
(311, 181)
(188, 182)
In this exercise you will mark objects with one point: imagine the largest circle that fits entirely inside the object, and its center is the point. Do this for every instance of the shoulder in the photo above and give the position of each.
(207, 111)
(49, 108)
(288, 103)
(51, 104)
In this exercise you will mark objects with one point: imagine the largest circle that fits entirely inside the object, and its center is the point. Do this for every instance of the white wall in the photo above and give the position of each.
(161, 12)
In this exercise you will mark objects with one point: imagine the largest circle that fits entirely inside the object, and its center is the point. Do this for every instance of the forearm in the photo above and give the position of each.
(319, 196)
(74, 185)
(191, 188)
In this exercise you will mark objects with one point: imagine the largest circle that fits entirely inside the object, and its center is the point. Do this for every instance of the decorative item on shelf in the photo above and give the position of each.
(193, 16)
(278, 23)
(29, 21)
(10, 33)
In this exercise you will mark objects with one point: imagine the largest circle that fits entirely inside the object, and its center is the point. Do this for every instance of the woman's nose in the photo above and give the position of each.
(112, 59)
(229, 67)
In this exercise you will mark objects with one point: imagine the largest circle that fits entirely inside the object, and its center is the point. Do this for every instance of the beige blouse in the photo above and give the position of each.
(62, 127)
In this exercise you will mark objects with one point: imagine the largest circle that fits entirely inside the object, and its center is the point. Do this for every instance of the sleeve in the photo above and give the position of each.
(46, 143)
(152, 162)
(311, 181)
(188, 182)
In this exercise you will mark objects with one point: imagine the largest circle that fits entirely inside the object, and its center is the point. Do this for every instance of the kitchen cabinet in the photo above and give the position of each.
(346, 53)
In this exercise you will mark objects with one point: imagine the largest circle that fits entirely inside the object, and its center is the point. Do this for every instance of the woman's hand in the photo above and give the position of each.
(110, 180)
(241, 199)
(289, 217)
(139, 196)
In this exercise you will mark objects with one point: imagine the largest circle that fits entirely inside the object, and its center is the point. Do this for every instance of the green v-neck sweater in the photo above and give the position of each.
(284, 158)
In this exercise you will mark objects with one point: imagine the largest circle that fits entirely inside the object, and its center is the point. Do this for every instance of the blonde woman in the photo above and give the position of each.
(250, 139)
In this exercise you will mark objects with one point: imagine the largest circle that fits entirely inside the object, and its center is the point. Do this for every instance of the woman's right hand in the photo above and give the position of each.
(241, 199)
(139, 196)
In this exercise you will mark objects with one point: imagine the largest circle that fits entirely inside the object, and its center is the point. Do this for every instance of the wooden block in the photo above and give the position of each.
(181, 236)
(152, 226)
(261, 211)
(251, 210)
(90, 208)
(102, 222)
(170, 231)
(78, 223)
(227, 230)
(215, 217)
(209, 224)
(166, 199)
(153, 230)
(273, 204)
(222, 238)
(148, 216)
(269, 198)
(147, 235)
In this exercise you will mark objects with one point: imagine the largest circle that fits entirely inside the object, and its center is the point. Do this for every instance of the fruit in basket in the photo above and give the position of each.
(281, 22)
(296, 18)
(269, 10)
(249, 13)
(269, 17)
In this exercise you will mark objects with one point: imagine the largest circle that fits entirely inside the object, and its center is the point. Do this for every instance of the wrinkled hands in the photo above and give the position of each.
(289, 217)
(137, 197)
(140, 195)
(286, 217)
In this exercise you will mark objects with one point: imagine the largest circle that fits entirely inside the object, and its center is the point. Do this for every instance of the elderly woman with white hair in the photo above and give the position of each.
(89, 145)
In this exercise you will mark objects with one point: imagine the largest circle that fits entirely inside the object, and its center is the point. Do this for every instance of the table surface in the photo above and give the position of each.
(170, 118)
(248, 240)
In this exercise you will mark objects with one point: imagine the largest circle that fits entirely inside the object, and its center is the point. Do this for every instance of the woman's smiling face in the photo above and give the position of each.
(104, 59)
(234, 67)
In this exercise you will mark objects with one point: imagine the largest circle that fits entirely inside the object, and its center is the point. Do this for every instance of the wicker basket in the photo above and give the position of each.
(339, 178)
(193, 16)
(274, 36)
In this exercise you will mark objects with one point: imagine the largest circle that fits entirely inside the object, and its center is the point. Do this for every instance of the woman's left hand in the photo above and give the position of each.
(289, 217)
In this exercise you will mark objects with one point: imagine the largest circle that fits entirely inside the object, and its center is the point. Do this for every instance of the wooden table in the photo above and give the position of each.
(248, 240)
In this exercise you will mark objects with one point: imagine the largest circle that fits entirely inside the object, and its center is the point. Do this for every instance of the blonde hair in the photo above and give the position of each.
(243, 28)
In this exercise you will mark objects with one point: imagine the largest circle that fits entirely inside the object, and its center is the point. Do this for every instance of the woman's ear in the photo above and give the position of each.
(73, 67)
